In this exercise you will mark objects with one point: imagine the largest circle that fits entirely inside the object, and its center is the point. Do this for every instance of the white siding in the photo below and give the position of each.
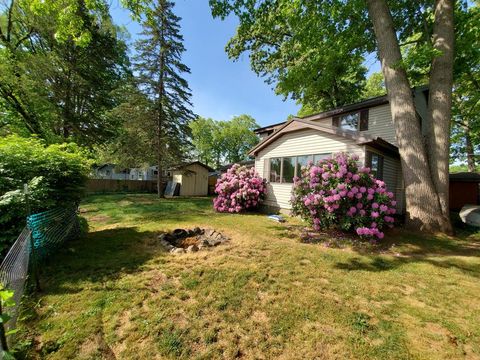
(380, 123)
(302, 142)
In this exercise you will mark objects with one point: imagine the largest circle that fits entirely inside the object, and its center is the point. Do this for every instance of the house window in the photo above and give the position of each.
(302, 161)
(356, 121)
(375, 162)
(288, 169)
(275, 169)
(283, 170)
(319, 157)
(350, 121)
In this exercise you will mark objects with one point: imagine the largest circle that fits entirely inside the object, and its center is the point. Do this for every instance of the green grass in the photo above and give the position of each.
(115, 293)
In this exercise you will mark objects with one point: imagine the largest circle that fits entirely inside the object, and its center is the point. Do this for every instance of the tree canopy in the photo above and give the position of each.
(217, 142)
(59, 89)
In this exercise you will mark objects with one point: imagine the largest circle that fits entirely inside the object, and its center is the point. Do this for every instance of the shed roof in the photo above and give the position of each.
(465, 177)
(182, 166)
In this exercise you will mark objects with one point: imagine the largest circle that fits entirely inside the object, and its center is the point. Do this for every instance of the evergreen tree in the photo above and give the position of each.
(160, 69)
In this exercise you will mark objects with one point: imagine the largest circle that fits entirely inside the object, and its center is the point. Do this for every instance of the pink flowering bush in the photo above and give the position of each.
(336, 192)
(239, 189)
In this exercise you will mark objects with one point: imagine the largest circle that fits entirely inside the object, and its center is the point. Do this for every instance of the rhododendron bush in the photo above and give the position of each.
(239, 189)
(336, 192)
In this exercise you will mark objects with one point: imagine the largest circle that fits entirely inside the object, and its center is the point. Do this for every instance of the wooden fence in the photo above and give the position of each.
(112, 186)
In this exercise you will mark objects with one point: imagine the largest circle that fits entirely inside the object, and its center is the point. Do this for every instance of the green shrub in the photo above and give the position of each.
(55, 174)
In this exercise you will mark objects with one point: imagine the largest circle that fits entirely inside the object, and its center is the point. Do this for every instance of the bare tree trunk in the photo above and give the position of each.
(423, 206)
(160, 115)
(440, 104)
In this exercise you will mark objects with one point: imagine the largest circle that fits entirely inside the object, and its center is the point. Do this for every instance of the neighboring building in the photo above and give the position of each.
(365, 129)
(192, 177)
(149, 173)
(114, 172)
(111, 171)
(464, 190)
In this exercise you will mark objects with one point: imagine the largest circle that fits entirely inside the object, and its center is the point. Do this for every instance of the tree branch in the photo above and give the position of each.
(22, 39)
(9, 21)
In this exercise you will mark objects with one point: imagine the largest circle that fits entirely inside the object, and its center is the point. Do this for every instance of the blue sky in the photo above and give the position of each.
(221, 88)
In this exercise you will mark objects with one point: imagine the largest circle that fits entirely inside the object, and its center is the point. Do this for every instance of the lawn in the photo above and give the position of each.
(116, 294)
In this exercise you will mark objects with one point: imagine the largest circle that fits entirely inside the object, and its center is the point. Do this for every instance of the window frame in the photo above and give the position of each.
(363, 119)
(268, 166)
(357, 127)
(380, 164)
(270, 170)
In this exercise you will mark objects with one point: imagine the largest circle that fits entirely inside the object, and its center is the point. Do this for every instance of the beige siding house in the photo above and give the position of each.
(365, 129)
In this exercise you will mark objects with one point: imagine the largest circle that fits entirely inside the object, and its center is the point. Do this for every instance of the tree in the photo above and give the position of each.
(278, 30)
(466, 76)
(239, 137)
(206, 140)
(224, 141)
(133, 145)
(375, 86)
(59, 89)
(159, 67)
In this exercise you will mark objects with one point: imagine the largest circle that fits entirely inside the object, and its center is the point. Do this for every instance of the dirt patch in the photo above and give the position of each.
(99, 218)
(90, 347)
(123, 323)
(260, 317)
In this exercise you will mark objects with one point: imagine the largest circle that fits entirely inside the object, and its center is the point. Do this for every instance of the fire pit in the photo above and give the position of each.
(180, 241)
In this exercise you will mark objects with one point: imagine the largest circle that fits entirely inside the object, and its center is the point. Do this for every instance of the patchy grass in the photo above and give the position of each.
(115, 294)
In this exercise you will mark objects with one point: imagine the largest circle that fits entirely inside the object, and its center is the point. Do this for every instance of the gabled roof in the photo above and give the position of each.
(375, 101)
(365, 104)
(181, 166)
(296, 124)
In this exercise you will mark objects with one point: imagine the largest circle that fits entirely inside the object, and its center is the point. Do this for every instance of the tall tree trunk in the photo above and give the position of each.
(423, 205)
(440, 103)
(160, 115)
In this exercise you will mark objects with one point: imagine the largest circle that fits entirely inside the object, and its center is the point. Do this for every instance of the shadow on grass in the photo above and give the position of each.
(461, 253)
(97, 257)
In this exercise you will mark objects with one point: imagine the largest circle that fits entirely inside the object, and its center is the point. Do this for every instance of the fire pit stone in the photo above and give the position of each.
(180, 241)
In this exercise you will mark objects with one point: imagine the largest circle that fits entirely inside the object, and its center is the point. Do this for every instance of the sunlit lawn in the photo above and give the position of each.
(115, 293)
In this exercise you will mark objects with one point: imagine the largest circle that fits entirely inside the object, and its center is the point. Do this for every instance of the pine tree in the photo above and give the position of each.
(160, 68)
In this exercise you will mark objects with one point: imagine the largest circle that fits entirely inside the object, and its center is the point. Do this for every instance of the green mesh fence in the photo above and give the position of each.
(50, 229)
(46, 231)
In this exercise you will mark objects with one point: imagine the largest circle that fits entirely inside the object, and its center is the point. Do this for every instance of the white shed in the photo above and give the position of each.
(193, 178)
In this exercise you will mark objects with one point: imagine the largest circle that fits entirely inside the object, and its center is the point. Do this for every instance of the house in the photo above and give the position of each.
(192, 177)
(148, 173)
(365, 129)
(111, 171)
